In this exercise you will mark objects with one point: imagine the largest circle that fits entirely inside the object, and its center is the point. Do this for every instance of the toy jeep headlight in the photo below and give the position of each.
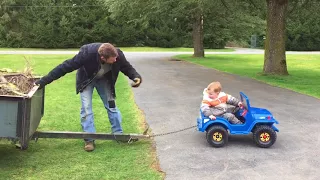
(266, 117)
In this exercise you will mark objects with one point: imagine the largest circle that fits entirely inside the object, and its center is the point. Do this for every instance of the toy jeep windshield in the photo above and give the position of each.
(257, 121)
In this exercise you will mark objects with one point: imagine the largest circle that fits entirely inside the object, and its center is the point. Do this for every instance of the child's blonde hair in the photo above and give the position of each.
(214, 87)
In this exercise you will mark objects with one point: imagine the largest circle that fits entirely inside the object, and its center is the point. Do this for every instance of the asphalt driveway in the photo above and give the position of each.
(170, 96)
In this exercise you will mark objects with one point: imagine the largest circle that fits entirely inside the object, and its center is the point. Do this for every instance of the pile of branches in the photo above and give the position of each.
(16, 83)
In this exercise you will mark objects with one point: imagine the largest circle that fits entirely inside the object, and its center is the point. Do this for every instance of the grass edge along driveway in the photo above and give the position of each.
(304, 70)
(127, 49)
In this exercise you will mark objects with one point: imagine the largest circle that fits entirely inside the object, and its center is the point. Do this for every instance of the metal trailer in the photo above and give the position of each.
(20, 117)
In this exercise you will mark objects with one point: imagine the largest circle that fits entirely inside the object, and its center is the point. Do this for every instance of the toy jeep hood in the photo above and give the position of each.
(260, 113)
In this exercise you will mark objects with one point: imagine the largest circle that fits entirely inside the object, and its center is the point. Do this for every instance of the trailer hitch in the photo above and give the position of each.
(129, 138)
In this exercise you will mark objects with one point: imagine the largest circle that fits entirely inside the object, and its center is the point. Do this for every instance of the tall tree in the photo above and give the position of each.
(198, 33)
(227, 17)
(194, 11)
(190, 12)
(275, 51)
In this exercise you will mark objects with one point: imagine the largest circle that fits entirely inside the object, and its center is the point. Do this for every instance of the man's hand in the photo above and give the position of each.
(37, 83)
(136, 82)
(212, 117)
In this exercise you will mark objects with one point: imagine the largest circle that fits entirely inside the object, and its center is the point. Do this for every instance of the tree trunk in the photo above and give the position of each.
(275, 51)
(197, 35)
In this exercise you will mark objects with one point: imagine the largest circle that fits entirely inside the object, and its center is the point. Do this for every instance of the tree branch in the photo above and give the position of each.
(254, 4)
(295, 5)
(224, 3)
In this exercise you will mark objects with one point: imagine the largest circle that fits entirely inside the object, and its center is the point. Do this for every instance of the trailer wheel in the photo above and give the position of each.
(217, 136)
(264, 136)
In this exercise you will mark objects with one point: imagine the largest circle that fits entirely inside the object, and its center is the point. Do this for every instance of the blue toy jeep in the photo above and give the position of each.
(256, 120)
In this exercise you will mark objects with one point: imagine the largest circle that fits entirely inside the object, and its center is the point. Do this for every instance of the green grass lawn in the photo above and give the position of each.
(304, 70)
(65, 158)
(128, 49)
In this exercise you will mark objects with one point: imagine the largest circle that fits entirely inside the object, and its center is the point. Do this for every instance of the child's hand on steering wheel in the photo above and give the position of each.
(240, 105)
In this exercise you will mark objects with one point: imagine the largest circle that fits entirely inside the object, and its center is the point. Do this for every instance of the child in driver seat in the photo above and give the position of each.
(215, 103)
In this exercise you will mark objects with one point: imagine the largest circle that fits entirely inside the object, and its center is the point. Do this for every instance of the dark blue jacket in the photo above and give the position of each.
(88, 63)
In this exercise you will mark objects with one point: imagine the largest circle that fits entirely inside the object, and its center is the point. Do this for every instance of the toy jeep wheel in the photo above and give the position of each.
(264, 136)
(217, 136)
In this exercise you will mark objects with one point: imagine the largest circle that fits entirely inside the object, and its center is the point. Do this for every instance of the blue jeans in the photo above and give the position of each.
(86, 114)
